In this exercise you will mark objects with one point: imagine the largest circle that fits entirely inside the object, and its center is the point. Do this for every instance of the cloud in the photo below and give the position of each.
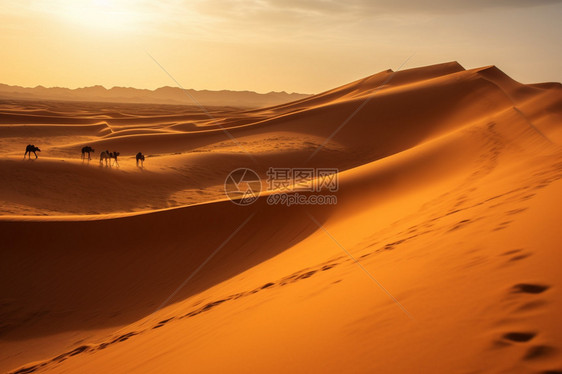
(310, 8)
(373, 7)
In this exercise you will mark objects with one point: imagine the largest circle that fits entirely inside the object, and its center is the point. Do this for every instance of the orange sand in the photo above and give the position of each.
(449, 196)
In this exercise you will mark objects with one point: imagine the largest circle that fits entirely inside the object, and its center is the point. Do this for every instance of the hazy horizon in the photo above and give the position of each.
(151, 89)
(273, 45)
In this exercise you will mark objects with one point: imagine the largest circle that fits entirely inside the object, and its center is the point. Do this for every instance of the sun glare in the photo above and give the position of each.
(100, 14)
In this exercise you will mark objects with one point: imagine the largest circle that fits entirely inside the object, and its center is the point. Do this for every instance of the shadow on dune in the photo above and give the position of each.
(58, 276)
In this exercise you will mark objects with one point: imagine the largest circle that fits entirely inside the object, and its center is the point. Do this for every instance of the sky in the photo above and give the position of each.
(269, 45)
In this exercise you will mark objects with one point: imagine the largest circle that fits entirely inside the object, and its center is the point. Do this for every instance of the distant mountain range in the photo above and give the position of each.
(163, 95)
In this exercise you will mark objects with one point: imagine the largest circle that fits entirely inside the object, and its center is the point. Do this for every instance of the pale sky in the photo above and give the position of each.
(269, 45)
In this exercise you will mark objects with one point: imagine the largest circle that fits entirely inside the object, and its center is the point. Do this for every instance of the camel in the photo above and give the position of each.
(140, 157)
(106, 155)
(29, 149)
(87, 150)
(114, 156)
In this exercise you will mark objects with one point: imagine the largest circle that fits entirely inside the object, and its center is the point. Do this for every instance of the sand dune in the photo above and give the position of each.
(449, 199)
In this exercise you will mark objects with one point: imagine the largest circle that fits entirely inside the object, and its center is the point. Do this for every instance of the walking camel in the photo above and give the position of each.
(87, 150)
(140, 157)
(107, 156)
(31, 149)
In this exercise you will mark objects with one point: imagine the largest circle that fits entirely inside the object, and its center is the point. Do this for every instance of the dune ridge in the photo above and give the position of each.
(449, 184)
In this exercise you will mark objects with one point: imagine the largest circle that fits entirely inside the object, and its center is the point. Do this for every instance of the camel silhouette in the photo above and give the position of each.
(114, 155)
(87, 150)
(107, 156)
(140, 157)
(31, 149)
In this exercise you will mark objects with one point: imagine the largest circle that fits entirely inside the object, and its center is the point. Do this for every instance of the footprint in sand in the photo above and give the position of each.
(515, 255)
(529, 288)
(539, 351)
(519, 337)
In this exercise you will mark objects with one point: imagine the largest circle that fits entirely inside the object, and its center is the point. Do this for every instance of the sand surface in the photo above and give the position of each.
(441, 255)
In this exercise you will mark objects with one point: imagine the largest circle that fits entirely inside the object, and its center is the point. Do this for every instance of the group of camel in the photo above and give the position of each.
(104, 155)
